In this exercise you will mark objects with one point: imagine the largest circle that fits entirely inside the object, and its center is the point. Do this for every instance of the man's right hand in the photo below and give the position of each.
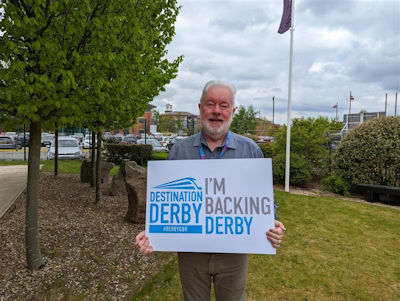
(142, 241)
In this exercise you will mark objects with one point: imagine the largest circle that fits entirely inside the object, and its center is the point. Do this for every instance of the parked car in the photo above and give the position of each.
(87, 142)
(79, 137)
(47, 139)
(157, 146)
(20, 138)
(129, 139)
(8, 143)
(68, 148)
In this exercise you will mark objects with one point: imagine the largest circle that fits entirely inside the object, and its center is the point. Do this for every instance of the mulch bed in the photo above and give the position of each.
(88, 249)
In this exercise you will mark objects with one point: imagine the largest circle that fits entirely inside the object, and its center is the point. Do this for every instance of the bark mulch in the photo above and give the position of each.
(88, 249)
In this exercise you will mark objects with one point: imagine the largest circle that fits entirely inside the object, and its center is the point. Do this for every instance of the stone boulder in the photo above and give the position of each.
(105, 171)
(136, 186)
(127, 171)
(136, 189)
(86, 174)
(118, 184)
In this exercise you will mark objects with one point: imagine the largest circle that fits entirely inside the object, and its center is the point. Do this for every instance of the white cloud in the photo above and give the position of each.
(339, 46)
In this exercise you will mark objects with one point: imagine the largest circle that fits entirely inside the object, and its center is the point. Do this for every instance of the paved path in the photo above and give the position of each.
(12, 183)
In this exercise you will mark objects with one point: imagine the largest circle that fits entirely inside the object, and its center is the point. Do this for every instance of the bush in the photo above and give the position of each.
(336, 184)
(266, 148)
(370, 153)
(300, 170)
(116, 153)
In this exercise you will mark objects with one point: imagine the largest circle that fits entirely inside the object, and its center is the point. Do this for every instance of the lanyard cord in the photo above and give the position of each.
(203, 156)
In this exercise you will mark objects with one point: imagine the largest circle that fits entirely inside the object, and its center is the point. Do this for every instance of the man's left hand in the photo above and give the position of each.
(275, 235)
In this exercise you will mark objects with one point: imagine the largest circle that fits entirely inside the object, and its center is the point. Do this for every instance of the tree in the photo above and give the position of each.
(73, 62)
(244, 121)
(310, 140)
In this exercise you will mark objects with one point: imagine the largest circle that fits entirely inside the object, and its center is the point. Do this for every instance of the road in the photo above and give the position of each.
(12, 182)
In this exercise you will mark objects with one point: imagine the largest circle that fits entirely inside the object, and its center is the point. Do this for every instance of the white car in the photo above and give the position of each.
(157, 146)
(68, 148)
(87, 142)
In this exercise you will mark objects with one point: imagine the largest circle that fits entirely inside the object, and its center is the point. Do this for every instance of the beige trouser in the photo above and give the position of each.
(227, 271)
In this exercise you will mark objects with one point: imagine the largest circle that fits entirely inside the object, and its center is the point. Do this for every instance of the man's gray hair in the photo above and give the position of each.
(219, 83)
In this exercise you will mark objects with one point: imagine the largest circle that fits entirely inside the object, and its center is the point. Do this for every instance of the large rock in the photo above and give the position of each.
(130, 169)
(118, 184)
(127, 171)
(136, 188)
(86, 174)
(105, 171)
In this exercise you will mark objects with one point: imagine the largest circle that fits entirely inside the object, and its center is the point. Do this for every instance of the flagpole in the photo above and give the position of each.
(287, 167)
(337, 105)
(350, 105)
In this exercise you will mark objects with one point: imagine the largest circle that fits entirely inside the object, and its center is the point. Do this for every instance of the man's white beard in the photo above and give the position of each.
(216, 133)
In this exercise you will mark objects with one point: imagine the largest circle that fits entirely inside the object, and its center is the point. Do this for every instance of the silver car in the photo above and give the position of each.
(68, 148)
(157, 146)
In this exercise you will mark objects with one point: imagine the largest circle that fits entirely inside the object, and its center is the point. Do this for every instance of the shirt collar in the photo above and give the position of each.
(200, 139)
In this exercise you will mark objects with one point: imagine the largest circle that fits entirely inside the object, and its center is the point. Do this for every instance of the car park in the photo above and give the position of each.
(157, 146)
(47, 139)
(129, 139)
(87, 142)
(79, 137)
(7, 142)
(20, 138)
(68, 148)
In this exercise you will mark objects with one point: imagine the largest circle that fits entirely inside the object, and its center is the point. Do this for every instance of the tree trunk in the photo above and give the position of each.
(98, 168)
(93, 149)
(34, 258)
(56, 151)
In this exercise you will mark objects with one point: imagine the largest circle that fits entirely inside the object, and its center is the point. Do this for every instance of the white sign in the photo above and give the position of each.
(213, 206)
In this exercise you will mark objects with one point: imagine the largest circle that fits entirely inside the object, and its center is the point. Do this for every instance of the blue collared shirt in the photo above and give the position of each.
(239, 147)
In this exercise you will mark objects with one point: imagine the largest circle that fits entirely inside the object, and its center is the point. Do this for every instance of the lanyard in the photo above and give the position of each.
(228, 138)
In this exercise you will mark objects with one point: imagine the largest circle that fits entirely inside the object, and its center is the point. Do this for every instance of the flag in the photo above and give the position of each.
(351, 97)
(286, 16)
(335, 106)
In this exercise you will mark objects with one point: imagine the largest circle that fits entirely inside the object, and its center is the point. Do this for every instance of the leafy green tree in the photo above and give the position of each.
(310, 140)
(244, 121)
(79, 62)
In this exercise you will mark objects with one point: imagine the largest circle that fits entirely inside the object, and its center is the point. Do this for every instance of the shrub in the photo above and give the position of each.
(336, 184)
(300, 170)
(370, 153)
(116, 153)
(266, 148)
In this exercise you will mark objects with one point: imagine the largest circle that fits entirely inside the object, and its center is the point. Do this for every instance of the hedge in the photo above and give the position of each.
(116, 153)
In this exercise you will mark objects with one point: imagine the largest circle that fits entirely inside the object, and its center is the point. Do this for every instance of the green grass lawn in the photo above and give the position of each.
(333, 250)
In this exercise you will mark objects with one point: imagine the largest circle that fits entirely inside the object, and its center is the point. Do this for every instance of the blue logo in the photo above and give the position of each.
(175, 207)
(184, 183)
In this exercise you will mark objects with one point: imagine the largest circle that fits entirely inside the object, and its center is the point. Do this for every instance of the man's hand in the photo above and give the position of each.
(142, 241)
(275, 235)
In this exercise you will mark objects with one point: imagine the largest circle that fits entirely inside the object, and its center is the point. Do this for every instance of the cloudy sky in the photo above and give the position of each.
(339, 46)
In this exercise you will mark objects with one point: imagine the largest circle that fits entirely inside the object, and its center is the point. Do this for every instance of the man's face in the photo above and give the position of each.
(216, 112)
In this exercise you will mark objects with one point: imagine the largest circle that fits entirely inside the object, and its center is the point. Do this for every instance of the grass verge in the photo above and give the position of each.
(333, 250)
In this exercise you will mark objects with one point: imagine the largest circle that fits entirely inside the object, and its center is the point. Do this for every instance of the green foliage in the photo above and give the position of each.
(159, 156)
(266, 149)
(370, 153)
(336, 184)
(244, 120)
(91, 63)
(170, 124)
(116, 153)
(310, 140)
(300, 170)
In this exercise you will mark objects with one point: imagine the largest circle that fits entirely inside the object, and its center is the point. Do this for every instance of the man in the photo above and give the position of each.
(227, 271)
